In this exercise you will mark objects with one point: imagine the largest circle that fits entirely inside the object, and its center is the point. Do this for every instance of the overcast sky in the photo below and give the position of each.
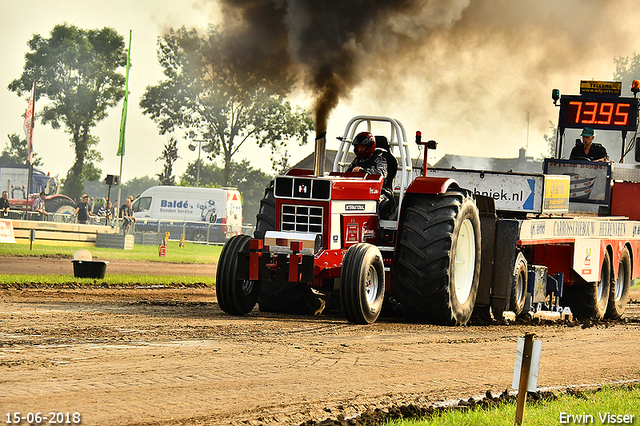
(483, 66)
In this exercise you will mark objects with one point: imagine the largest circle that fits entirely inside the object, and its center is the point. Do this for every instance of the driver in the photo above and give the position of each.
(370, 160)
(588, 149)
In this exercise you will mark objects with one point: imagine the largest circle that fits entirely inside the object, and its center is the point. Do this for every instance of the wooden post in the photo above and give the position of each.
(524, 376)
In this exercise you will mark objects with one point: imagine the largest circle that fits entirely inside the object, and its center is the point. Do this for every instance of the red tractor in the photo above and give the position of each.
(319, 233)
(459, 242)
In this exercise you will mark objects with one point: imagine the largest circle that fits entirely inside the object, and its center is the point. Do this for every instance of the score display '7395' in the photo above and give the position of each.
(608, 113)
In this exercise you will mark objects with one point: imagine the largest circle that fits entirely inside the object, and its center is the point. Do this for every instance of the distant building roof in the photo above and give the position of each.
(522, 163)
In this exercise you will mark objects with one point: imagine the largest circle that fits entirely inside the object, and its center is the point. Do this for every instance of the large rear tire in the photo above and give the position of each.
(362, 284)
(266, 218)
(438, 259)
(619, 291)
(62, 208)
(518, 285)
(590, 299)
(235, 296)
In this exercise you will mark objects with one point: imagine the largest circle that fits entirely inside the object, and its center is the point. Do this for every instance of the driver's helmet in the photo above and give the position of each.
(366, 139)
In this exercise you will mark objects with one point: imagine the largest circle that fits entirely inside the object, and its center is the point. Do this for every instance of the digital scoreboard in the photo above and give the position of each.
(599, 112)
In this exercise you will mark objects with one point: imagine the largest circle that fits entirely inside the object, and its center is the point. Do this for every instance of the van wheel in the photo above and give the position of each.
(619, 292)
(235, 296)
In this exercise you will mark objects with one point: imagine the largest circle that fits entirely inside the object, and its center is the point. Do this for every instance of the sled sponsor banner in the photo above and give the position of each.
(556, 194)
(6, 231)
(576, 228)
(515, 192)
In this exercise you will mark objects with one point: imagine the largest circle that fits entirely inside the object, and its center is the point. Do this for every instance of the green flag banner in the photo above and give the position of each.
(123, 119)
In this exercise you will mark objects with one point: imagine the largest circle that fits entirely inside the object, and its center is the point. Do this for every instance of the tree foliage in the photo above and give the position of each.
(15, 152)
(169, 155)
(203, 93)
(627, 70)
(249, 181)
(75, 71)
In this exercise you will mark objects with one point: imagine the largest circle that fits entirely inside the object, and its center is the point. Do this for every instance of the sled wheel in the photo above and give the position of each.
(362, 284)
(619, 292)
(235, 296)
(590, 299)
(518, 285)
(438, 258)
(266, 218)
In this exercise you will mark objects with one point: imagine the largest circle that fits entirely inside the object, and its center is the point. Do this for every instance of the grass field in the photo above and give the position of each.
(190, 253)
(607, 406)
(111, 280)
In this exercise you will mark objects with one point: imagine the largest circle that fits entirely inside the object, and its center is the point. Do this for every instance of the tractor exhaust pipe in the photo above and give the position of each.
(321, 143)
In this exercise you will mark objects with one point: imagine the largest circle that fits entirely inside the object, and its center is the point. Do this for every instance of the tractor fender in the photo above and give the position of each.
(431, 185)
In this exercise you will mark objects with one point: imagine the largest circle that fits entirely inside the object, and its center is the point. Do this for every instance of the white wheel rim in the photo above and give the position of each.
(520, 287)
(465, 261)
(620, 282)
(600, 287)
(371, 285)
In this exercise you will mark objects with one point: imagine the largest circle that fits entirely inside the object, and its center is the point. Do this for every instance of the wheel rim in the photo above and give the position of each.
(371, 285)
(247, 287)
(600, 288)
(64, 214)
(520, 287)
(620, 282)
(465, 261)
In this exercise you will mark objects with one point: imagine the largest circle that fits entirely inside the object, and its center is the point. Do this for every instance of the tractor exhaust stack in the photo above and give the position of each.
(321, 142)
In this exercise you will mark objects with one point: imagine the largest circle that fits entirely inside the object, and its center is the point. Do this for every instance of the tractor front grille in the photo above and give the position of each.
(301, 218)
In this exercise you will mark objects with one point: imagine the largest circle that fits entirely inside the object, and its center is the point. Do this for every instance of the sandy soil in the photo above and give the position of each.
(170, 356)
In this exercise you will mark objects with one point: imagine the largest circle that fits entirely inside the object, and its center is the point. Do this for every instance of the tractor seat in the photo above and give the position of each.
(392, 163)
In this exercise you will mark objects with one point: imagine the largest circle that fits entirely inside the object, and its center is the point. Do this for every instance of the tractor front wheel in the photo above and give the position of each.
(437, 268)
(362, 284)
(236, 296)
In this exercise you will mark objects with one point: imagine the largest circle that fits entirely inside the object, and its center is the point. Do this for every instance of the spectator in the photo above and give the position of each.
(39, 206)
(81, 210)
(4, 204)
(126, 214)
(106, 211)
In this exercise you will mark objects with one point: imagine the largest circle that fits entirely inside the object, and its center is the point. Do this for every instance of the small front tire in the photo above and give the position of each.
(362, 284)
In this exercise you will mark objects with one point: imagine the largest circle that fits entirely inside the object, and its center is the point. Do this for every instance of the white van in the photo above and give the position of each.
(188, 204)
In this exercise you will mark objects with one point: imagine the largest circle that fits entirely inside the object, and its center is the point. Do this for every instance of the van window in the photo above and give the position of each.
(142, 204)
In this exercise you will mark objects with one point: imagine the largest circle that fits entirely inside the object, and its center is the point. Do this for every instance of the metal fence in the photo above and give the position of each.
(197, 232)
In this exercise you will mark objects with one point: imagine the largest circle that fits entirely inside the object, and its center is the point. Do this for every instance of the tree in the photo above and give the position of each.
(169, 155)
(627, 70)
(75, 70)
(15, 152)
(203, 93)
(249, 181)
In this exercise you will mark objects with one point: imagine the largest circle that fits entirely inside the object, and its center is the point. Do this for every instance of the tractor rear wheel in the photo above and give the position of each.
(438, 258)
(235, 296)
(590, 299)
(62, 208)
(619, 292)
(519, 285)
(266, 218)
(362, 284)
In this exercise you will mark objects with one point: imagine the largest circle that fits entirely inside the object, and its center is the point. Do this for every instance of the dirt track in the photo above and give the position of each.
(170, 356)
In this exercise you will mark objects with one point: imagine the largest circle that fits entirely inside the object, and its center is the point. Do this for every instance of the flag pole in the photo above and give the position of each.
(123, 124)
(29, 121)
